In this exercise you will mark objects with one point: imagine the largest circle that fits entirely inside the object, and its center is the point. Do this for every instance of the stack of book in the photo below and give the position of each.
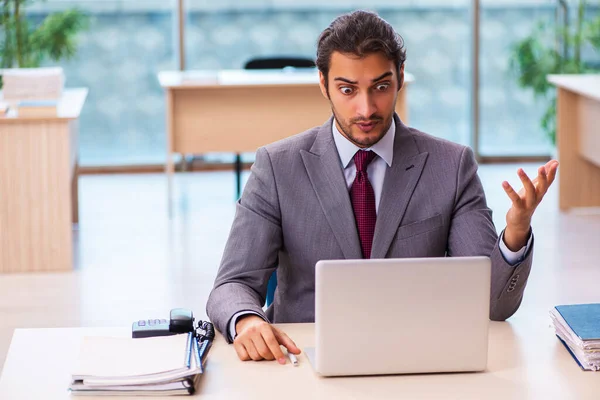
(578, 328)
(33, 92)
(162, 365)
(37, 108)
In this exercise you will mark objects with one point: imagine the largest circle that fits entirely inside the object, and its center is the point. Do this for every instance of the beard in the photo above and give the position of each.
(352, 132)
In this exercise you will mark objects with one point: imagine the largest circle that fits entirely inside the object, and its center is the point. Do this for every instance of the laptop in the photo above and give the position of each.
(400, 316)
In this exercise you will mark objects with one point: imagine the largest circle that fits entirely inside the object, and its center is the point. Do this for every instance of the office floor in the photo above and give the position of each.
(133, 262)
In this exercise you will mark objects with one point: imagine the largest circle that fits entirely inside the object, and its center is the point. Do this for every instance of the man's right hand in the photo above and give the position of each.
(258, 340)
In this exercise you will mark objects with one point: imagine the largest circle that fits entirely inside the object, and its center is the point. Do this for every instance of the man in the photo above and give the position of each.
(363, 185)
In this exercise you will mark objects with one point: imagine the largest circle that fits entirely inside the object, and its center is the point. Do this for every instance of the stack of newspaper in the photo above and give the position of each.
(163, 365)
(578, 327)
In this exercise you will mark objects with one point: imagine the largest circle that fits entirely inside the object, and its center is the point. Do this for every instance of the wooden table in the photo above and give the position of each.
(526, 361)
(238, 111)
(578, 139)
(38, 187)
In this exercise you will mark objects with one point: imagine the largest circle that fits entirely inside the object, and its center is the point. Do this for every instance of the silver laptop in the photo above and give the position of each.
(396, 316)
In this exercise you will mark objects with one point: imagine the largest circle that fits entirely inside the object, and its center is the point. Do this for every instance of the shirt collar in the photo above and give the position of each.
(384, 148)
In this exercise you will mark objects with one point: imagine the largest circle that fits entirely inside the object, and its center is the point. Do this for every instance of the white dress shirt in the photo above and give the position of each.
(376, 170)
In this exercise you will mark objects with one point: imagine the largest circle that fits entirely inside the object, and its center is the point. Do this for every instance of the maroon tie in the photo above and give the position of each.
(363, 201)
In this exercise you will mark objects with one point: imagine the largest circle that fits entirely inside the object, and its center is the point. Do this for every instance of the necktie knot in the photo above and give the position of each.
(362, 159)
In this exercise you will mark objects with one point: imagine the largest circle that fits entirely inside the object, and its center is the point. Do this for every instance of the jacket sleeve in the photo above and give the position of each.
(472, 233)
(251, 251)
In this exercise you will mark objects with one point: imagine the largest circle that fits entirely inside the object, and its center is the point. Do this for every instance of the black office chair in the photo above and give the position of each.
(270, 63)
(277, 62)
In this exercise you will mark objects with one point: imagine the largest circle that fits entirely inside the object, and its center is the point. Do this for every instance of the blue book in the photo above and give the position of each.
(37, 103)
(583, 319)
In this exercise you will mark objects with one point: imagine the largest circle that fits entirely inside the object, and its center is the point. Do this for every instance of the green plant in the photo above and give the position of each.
(24, 45)
(554, 49)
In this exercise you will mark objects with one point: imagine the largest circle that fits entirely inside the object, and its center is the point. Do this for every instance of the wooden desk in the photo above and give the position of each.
(578, 139)
(38, 188)
(238, 111)
(525, 362)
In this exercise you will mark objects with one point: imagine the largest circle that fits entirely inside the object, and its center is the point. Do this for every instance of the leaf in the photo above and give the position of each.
(532, 59)
(537, 55)
(592, 33)
(56, 36)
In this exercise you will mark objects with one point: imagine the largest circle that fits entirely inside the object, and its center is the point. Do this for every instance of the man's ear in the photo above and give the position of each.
(401, 77)
(323, 85)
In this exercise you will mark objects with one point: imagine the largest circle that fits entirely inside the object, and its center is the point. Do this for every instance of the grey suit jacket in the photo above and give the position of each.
(295, 210)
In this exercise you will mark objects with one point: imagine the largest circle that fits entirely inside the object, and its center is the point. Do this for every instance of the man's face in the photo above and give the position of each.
(362, 94)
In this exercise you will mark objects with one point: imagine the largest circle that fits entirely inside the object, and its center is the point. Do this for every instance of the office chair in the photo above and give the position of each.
(271, 288)
(276, 62)
(279, 62)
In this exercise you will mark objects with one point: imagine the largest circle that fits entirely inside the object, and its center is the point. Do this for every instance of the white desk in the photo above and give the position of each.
(526, 361)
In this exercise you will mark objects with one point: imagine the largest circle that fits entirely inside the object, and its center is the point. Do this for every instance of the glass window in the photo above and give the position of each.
(509, 115)
(118, 58)
(226, 34)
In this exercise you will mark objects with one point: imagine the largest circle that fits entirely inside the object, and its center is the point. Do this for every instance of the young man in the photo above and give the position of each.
(363, 185)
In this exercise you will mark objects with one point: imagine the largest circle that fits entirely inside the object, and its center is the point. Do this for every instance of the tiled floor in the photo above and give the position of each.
(133, 262)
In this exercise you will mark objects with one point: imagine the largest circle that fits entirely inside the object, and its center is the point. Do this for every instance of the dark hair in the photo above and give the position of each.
(360, 33)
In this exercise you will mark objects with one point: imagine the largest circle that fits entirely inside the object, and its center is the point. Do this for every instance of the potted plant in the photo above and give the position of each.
(27, 45)
(555, 49)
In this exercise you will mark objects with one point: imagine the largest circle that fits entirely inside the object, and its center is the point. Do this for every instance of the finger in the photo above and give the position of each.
(241, 351)
(514, 196)
(273, 345)
(550, 164)
(551, 172)
(261, 347)
(286, 341)
(530, 195)
(541, 182)
(252, 352)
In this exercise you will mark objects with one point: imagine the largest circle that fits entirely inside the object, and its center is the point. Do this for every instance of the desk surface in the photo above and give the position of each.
(69, 107)
(241, 78)
(584, 84)
(526, 361)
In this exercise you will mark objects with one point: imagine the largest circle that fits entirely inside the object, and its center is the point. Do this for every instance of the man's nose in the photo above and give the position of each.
(366, 106)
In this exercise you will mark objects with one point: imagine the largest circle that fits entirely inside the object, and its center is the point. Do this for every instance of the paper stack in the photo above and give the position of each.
(164, 365)
(33, 92)
(578, 327)
(32, 84)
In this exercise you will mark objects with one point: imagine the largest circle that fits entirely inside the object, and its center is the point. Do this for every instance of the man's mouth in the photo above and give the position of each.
(367, 126)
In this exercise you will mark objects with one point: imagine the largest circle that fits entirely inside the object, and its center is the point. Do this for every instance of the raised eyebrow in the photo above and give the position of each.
(380, 77)
(384, 75)
(339, 78)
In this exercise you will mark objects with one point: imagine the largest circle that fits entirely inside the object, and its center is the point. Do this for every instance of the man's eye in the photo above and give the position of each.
(383, 87)
(346, 90)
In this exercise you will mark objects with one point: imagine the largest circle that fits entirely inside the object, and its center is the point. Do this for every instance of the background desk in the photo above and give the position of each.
(525, 362)
(578, 139)
(38, 188)
(238, 111)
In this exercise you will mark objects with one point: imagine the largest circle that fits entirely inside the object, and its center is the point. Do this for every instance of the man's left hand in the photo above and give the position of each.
(524, 203)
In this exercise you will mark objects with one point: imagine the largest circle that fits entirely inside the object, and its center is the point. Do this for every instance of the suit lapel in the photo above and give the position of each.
(398, 186)
(325, 172)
